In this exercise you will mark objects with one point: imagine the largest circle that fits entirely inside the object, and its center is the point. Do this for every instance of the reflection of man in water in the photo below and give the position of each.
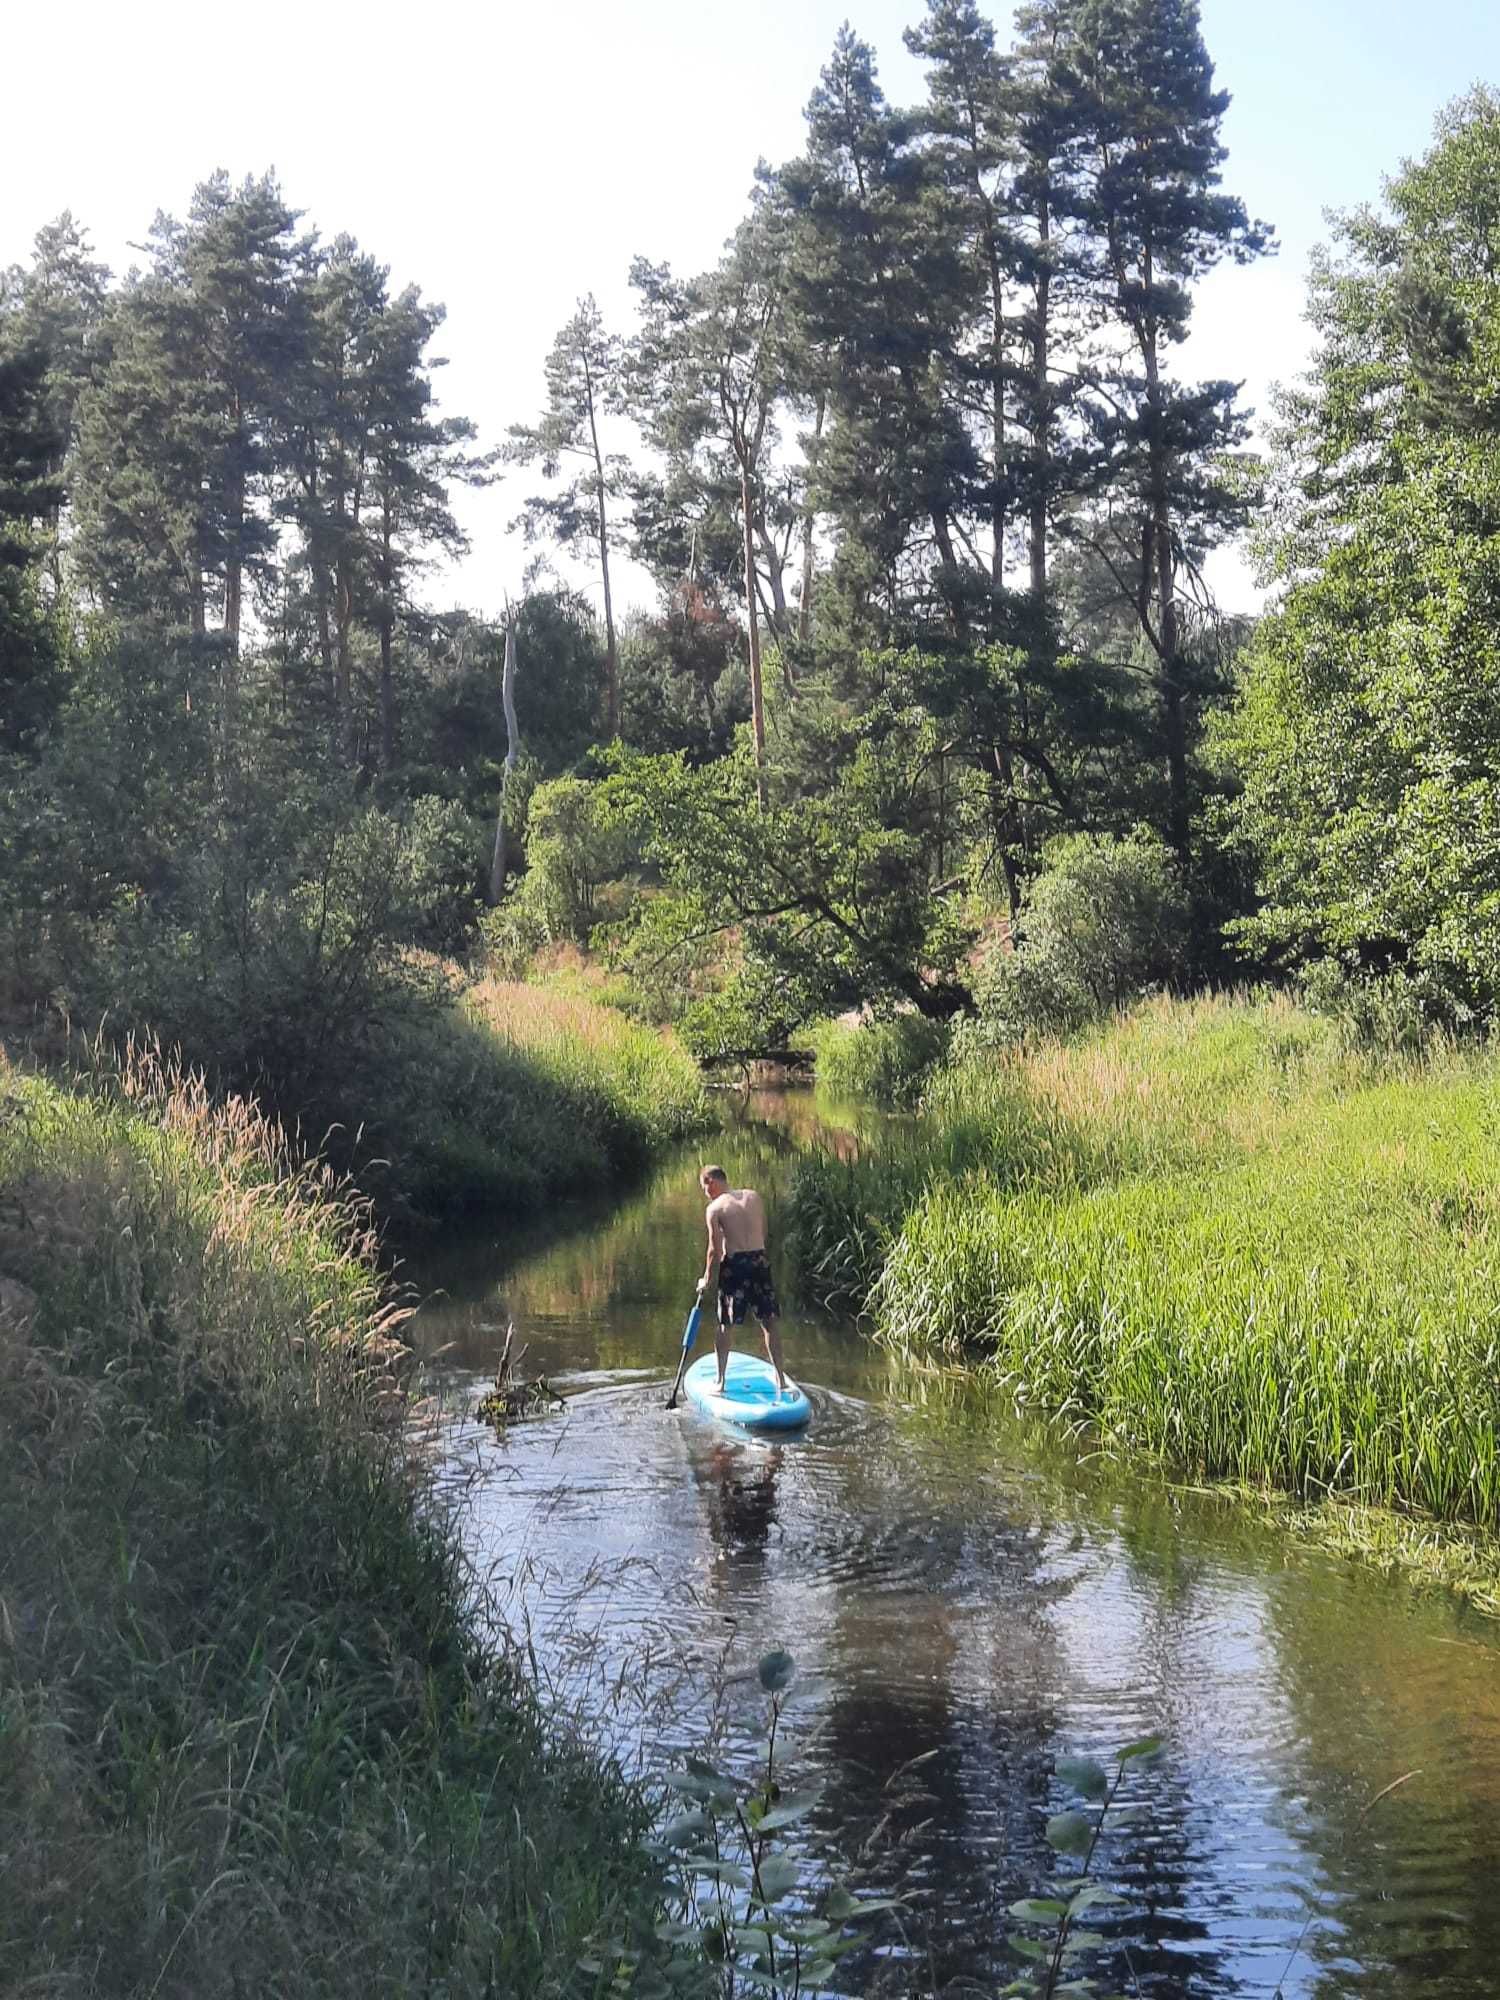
(740, 1487)
(737, 1244)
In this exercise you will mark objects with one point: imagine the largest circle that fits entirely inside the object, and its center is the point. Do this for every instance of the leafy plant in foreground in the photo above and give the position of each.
(1075, 1831)
(736, 1895)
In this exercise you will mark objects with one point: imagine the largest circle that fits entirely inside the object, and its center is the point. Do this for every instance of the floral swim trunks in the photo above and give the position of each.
(745, 1288)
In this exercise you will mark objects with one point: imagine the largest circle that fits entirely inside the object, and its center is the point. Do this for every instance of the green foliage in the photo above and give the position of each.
(1208, 1236)
(1077, 1831)
(830, 888)
(683, 684)
(1101, 926)
(263, 1660)
(885, 1061)
(1383, 1013)
(737, 1892)
(31, 679)
(575, 847)
(1366, 731)
(1364, 736)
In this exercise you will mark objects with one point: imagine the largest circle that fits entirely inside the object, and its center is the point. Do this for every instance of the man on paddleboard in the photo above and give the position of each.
(737, 1245)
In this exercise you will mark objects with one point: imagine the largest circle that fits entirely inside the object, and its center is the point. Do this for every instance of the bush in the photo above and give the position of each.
(888, 1062)
(440, 859)
(1382, 1013)
(572, 851)
(1104, 924)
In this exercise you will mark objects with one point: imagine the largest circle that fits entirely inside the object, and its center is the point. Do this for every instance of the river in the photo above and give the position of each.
(967, 1601)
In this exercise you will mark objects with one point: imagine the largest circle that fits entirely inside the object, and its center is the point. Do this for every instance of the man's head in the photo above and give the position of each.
(713, 1181)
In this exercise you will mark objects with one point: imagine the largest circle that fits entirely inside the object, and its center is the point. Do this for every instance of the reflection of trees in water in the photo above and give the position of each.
(599, 1250)
(1408, 1892)
(1350, 1694)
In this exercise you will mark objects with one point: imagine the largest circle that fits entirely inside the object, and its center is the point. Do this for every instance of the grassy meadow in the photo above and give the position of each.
(1209, 1232)
(250, 1739)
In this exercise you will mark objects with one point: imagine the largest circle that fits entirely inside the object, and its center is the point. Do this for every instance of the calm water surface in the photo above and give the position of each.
(965, 1604)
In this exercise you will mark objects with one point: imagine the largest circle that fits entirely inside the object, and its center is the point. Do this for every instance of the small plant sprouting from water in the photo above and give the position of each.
(1055, 1954)
(737, 1899)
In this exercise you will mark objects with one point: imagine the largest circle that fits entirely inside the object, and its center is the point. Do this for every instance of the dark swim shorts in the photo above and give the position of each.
(745, 1287)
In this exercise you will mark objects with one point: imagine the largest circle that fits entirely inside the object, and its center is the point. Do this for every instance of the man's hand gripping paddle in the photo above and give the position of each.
(689, 1335)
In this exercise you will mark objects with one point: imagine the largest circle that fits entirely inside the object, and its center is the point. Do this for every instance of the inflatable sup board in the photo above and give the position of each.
(750, 1398)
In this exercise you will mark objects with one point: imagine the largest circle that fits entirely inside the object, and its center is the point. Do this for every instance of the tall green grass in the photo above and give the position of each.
(249, 1739)
(886, 1062)
(1214, 1236)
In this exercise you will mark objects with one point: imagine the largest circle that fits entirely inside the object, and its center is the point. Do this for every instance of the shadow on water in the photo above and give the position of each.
(967, 1601)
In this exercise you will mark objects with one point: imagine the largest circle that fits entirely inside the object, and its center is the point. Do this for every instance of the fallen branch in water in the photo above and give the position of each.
(513, 1397)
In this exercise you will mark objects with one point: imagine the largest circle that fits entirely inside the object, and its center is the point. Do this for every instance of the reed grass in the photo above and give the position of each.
(1214, 1236)
(250, 1738)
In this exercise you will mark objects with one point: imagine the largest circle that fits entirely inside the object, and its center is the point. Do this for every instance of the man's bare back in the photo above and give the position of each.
(739, 1216)
(736, 1219)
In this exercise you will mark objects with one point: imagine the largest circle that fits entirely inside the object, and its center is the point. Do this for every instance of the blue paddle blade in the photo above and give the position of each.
(690, 1332)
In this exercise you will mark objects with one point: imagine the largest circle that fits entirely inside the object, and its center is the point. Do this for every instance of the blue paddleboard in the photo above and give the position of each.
(750, 1398)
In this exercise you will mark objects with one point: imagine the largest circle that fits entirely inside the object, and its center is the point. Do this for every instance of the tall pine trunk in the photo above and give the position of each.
(1041, 391)
(997, 419)
(752, 613)
(809, 523)
(233, 600)
(1162, 583)
(611, 654)
(387, 630)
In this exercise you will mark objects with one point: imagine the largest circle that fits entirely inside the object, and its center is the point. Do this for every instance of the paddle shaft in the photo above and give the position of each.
(689, 1335)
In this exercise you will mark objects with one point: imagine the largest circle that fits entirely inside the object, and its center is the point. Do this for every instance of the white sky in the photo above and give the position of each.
(509, 159)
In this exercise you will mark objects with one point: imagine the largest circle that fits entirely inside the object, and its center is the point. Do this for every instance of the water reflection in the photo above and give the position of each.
(965, 1601)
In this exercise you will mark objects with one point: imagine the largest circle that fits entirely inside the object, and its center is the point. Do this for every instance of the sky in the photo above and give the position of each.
(510, 158)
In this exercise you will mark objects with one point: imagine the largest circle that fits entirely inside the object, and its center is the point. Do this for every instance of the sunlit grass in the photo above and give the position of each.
(513, 1095)
(1209, 1234)
(249, 1740)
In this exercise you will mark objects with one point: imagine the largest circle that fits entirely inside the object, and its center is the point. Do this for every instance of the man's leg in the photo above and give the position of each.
(721, 1345)
(771, 1328)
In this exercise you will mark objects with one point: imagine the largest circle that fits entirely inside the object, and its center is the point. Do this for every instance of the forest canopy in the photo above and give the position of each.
(927, 501)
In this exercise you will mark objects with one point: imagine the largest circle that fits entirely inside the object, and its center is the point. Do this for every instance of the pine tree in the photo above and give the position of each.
(30, 491)
(885, 291)
(177, 471)
(970, 146)
(711, 372)
(414, 456)
(59, 302)
(1145, 189)
(583, 391)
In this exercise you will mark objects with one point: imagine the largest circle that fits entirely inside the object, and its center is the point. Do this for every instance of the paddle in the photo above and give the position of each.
(689, 1335)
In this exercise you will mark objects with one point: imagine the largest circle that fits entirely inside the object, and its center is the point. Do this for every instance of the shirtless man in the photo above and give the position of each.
(737, 1244)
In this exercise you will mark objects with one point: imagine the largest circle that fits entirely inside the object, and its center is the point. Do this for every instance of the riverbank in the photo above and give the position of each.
(250, 1734)
(520, 1093)
(1210, 1235)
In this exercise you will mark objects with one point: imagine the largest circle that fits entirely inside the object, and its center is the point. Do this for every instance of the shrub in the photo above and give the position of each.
(1383, 1013)
(1103, 924)
(440, 859)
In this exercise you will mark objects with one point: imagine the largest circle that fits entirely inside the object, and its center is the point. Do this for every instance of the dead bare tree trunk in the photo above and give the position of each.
(512, 747)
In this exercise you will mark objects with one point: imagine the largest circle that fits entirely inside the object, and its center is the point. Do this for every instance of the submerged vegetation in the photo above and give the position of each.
(1209, 1232)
